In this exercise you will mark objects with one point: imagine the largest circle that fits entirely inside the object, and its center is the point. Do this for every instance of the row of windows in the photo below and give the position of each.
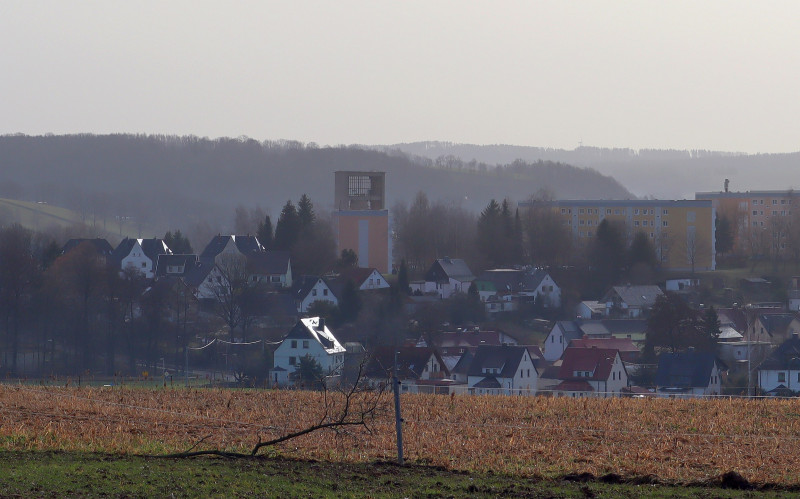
(595, 211)
(522, 374)
(774, 201)
(774, 213)
(294, 344)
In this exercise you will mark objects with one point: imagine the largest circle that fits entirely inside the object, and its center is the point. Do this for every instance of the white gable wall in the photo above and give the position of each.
(213, 281)
(289, 352)
(770, 379)
(374, 281)
(136, 259)
(554, 344)
(320, 292)
(550, 291)
(617, 380)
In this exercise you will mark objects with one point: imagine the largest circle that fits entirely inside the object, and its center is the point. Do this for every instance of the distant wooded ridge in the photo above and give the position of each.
(660, 173)
(165, 182)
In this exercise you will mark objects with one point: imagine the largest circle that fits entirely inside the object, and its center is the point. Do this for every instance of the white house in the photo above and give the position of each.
(542, 286)
(311, 289)
(310, 338)
(272, 267)
(502, 370)
(445, 277)
(530, 284)
(595, 372)
(207, 280)
(557, 341)
(364, 278)
(590, 309)
(140, 254)
(779, 374)
(220, 246)
(631, 301)
(793, 295)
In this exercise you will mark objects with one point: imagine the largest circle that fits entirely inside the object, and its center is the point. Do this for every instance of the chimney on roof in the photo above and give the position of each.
(726, 184)
(321, 326)
(795, 335)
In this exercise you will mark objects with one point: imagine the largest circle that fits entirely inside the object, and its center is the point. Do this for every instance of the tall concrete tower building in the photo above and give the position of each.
(361, 220)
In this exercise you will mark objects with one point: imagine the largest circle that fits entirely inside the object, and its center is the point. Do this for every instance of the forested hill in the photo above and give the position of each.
(172, 182)
(662, 173)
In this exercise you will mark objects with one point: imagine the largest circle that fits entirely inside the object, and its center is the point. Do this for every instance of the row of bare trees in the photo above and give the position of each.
(76, 313)
(777, 238)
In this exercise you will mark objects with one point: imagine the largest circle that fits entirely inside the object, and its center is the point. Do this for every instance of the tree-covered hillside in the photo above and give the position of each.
(166, 182)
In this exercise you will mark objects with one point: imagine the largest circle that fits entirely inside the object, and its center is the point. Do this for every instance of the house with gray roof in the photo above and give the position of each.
(445, 277)
(270, 267)
(779, 374)
(140, 255)
(631, 301)
(310, 289)
(206, 280)
(174, 265)
(419, 369)
(502, 370)
(774, 327)
(231, 244)
(519, 285)
(687, 374)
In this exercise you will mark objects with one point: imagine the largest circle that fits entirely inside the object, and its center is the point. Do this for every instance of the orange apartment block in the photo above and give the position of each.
(361, 220)
(682, 231)
(758, 218)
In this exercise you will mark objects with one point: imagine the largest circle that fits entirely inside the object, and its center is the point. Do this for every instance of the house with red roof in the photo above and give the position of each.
(591, 372)
(628, 351)
(364, 278)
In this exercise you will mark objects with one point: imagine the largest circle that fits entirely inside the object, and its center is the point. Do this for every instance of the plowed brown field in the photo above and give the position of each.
(681, 440)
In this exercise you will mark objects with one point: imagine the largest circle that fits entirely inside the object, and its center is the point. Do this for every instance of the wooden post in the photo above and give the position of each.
(398, 421)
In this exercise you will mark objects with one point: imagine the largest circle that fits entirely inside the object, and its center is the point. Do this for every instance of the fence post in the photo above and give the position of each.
(398, 421)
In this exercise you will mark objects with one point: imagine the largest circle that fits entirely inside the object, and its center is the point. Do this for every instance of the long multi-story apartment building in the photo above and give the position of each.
(758, 218)
(681, 231)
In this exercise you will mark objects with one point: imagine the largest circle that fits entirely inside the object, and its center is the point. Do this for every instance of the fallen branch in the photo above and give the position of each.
(359, 407)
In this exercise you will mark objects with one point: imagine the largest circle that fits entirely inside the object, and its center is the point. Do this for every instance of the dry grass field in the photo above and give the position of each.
(674, 440)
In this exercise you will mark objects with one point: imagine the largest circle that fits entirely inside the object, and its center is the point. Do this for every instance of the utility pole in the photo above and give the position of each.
(186, 367)
(748, 310)
(398, 421)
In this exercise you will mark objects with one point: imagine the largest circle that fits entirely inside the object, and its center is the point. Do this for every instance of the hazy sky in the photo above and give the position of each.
(709, 75)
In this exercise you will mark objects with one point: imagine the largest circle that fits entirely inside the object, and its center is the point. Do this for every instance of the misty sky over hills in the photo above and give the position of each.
(714, 75)
(666, 174)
